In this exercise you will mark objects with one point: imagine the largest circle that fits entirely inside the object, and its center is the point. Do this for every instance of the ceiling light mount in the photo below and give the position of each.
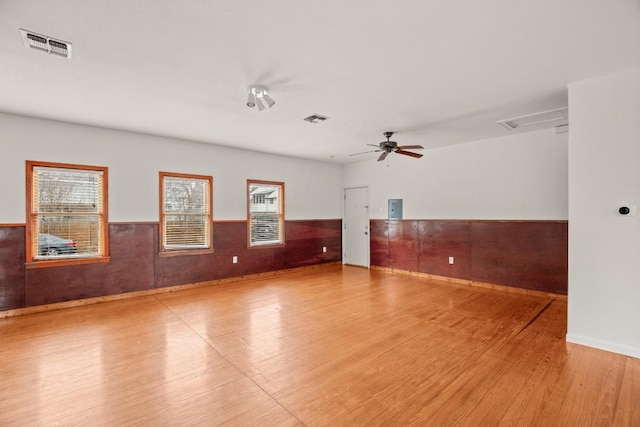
(258, 95)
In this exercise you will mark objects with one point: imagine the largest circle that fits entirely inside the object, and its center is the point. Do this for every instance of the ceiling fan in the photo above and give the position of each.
(389, 146)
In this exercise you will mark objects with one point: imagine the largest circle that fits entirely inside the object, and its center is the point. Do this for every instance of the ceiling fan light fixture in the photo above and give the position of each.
(270, 102)
(251, 100)
(258, 95)
(387, 147)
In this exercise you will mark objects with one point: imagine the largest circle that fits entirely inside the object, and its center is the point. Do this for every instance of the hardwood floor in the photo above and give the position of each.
(328, 346)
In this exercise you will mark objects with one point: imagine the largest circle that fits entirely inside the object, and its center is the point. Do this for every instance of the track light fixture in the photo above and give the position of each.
(270, 102)
(251, 100)
(258, 95)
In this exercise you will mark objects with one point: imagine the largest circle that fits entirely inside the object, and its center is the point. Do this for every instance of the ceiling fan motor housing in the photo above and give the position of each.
(388, 146)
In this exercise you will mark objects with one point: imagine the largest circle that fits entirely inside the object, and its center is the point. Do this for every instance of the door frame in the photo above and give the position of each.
(344, 222)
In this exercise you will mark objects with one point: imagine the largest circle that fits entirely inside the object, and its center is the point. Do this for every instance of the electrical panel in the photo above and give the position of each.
(395, 208)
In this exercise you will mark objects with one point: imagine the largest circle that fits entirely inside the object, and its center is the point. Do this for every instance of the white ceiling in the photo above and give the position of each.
(437, 72)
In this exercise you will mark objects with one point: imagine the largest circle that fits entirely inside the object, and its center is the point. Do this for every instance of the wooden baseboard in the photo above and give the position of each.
(155, 291)
(466, 282)
(149, 292)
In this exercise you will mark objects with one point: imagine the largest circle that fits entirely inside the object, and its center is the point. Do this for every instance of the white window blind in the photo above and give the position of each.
(266, 213)
(186, 212)
(67, 213)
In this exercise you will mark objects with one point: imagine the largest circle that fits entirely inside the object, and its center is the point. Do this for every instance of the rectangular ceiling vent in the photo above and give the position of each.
(46, 44)
(543, 119)
(316, 118)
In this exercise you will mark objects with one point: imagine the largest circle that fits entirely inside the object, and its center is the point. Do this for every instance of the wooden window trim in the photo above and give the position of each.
(184, 252)
(64, 262)
(31, 262)
(178, 252)
(265, 246)
(280, 215)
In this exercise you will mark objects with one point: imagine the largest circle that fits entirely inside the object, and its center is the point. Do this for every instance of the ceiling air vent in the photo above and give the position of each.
(316, 118)
(543, 119)
(46, 44)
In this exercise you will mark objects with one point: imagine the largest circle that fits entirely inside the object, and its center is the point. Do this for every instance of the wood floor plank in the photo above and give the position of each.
(334, 345)
(627, 411)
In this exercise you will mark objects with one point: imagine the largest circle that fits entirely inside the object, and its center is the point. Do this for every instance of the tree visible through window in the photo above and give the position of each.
(265, 212)
(185, 211)
(67, 211)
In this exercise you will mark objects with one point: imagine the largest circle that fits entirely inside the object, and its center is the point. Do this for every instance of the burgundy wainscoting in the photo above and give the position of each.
(403, 244)
(379, 243)
(524, 254)
(440, 240)
(305, 240)
(179, 269)
(130, 269)
(12, 256)
(229, 240)
(135, 264)
(260, 260)
(182, 269)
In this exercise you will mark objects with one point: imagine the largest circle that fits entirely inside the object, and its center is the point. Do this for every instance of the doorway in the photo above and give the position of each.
(355, 227)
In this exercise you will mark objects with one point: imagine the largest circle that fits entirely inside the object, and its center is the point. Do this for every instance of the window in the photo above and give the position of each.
(265, 212)
(185, 212)
(67, 213)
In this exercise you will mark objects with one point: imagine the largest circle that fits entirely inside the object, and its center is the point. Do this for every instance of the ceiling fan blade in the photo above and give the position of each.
(374, 145)
(410, 147)
(409, 153)
(382, 156)
(365, 152)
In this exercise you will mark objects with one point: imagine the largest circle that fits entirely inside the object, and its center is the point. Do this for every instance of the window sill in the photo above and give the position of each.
(64, 262)
(185, 252)
(269, 246)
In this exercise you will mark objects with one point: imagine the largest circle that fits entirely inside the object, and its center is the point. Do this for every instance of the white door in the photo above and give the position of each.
(355, 248)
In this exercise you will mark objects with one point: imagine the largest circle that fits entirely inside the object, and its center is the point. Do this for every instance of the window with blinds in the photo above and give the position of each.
(265, 212)
(185, 211)
(67, 211)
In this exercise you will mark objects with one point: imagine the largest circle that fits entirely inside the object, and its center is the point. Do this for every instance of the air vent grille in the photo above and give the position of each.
(539, 120)
(316, 118)
(46, 44)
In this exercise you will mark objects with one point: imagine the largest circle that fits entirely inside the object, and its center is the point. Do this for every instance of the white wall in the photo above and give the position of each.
(312, 189)
(521, 176)
(604, 246)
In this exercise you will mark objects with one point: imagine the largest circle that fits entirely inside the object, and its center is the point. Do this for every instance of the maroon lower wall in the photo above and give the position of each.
(523, 254)
(135, 264)
(12, 257)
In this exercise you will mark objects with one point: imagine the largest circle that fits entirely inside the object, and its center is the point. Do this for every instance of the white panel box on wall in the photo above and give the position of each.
(395, 208)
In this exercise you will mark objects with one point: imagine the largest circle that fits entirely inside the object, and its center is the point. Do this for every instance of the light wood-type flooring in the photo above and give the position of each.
(328, 346)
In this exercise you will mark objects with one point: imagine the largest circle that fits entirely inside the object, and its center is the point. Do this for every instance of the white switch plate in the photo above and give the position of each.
(324, 249)
(450, 260)
(235, 259)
